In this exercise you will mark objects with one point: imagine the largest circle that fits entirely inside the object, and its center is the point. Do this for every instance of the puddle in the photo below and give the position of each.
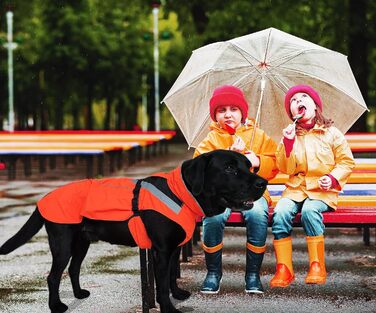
(105, 263)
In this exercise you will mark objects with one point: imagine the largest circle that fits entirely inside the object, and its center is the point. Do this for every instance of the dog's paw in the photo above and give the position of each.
(180, 294)
(59, 308)
(82, 294)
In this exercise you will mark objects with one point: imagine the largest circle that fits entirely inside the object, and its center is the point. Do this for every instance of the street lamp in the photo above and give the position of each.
(10, 46)
(156, 5)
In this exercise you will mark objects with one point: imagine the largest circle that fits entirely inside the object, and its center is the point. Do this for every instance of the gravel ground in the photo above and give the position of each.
(111, 273)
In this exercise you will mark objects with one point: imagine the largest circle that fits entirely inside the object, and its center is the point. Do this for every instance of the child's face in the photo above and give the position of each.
(228, 114)
(301, 101)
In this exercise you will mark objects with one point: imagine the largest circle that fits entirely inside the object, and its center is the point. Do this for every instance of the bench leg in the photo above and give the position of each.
(112, 157)
(52, 162)
(366, 236)
(147, 280)
(100, 165)
(151, 289)
(27, 165)
(196, 235)
(119, 160)
(139, 151)
(42, 164)
(147, 152)
(11, 165)
(89, 166)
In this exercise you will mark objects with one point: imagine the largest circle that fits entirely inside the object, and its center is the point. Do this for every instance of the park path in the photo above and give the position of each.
(111, 273)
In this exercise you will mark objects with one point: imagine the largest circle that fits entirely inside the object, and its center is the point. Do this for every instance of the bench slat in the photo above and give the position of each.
(343, 216)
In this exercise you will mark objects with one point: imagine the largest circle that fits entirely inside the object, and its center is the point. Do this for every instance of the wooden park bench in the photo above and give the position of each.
(89, 145)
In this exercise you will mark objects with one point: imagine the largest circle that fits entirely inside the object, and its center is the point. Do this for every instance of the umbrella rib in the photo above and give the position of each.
(242, 52)
(322, 80)
(291, 57)
(267, 46)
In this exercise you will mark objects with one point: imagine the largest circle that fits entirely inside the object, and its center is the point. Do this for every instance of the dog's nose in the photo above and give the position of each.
(261, 183)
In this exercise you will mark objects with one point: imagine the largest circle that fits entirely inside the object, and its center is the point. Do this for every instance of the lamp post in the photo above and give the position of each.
(156, 6)
(10, 46)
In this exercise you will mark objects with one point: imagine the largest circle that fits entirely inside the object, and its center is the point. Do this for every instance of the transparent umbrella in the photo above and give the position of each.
(264, 65)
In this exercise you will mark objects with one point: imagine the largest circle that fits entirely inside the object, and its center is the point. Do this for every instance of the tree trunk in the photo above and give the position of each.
(89, 107)
(120, 112)
(107, 118)
(76, 117)
(59, 113)
(358, 53)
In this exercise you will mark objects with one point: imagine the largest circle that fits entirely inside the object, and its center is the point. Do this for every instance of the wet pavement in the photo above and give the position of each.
(111, 272)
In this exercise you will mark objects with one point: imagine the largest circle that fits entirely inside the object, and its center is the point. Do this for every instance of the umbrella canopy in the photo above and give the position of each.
(271, 59)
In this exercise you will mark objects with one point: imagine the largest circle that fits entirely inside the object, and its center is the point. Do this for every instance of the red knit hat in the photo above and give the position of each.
(305, 89)
(228, 95)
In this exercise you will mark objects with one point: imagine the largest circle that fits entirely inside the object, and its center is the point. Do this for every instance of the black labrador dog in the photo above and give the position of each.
(214, 181)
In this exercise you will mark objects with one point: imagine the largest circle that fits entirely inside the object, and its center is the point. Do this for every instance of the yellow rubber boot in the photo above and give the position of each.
(284, 275)
(316, 252)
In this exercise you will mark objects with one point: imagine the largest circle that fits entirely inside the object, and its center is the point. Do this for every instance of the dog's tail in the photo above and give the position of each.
(28, 230)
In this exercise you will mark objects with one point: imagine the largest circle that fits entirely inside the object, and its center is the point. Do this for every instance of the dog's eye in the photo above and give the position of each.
(231, 170)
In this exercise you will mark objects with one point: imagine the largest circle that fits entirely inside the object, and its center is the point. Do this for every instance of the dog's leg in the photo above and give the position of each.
(79, 250)
(60, 238)
(176, 292)
(161, 261)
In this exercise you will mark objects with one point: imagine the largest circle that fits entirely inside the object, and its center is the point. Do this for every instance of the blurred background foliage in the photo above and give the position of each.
(88, 64)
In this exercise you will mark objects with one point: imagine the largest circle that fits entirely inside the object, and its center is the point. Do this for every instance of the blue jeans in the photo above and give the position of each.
(256, 220)
(312, 219)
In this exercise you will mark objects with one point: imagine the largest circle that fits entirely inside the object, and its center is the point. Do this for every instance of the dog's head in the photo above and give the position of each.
(222, 179)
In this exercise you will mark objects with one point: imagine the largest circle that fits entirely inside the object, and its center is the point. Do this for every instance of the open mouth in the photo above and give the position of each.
(301, 109)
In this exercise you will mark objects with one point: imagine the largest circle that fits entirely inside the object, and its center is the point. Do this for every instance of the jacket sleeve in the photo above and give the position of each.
(207, 145)
(343, 158)
(286, 165)
(268, 166)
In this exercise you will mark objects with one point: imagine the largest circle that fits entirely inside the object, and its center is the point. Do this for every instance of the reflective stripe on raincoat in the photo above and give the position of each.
(263, 146)
(111, 200)
(316, 152)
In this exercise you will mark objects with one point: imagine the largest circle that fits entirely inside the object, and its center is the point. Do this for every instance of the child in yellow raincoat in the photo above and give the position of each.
(318, 160)
(229, 107)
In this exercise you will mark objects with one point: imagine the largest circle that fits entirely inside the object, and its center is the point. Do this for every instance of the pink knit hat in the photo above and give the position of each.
(302, 88)
(228, 95)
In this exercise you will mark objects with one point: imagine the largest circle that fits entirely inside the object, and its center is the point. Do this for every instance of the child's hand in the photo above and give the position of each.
(238, 145)
(325, 183)
(289, 131)
(251, 156)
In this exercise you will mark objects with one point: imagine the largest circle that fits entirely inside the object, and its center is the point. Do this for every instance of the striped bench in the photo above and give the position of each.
(90, 145)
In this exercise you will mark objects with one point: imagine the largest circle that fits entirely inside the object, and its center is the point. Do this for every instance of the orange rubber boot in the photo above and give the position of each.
(316, 252)
(284, 275)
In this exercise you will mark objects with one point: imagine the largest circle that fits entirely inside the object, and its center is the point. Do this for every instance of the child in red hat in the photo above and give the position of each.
(318, 160)
(231, 129)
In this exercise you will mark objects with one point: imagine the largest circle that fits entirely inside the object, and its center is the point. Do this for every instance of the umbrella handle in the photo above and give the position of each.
(263, 83)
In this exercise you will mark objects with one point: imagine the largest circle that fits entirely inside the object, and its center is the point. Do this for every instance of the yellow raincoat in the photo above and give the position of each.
(316, 152)
(263, 146)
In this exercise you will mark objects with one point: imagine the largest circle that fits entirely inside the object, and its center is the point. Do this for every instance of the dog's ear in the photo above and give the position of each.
(194, 173)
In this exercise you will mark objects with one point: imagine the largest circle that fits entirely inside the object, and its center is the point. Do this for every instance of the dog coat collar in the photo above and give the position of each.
(176, 183)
